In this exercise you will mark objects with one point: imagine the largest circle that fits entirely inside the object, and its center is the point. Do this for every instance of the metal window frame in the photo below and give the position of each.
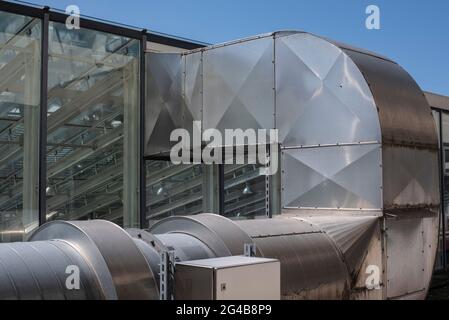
(43, 120)
(221, 188)
(24, 10)
(441, 163)
(142, 162)
(99, 25)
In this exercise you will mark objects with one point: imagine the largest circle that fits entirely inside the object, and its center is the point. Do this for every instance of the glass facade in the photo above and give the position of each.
(92, 125)
(189, 189)
(245, 192)
(20, 62)
(173, 190)
(88, 113)
(70, 145)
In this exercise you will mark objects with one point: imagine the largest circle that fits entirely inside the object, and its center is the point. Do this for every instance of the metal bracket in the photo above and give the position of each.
(249, 250)
(166, 275)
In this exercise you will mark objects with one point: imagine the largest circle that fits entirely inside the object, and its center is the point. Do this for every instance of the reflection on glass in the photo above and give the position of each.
(19, 125)
(93, 116)
(173, 190)
(245, 192)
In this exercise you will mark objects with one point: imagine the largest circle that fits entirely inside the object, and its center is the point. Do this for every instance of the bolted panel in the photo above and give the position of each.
(321, 96)
(410, 177)
(193, 84)
(405, 255)
(239, 85)
(166, 106)
(339, 177)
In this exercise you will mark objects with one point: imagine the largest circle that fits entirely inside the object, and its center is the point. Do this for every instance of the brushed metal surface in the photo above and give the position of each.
(220, 234)
(404, 113)
(333, 177)
(352, 235)
(321, 95)
(123, 271)
(37, 271)
(170, 103)
(356, 133)
(311, 265)
(239, 86)
(405, 255)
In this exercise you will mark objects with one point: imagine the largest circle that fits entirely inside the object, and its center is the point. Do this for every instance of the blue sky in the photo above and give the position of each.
(415, 33)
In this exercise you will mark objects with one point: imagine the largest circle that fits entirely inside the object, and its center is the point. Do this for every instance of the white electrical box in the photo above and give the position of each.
(228, 278)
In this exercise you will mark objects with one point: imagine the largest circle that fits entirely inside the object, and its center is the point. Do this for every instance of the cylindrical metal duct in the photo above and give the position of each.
(111, 264)
(37, 270)
(312, 266)
(222, 236)
(317, 261)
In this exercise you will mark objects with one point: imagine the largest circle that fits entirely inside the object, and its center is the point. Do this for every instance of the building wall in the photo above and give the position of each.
(440, 105)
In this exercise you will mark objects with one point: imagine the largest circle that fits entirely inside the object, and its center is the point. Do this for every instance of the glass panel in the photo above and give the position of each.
(245, 192)
(20, 49)
(93, 117)
(173, 190)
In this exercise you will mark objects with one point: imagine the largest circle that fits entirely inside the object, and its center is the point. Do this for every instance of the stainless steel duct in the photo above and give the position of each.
(359, 183)
(111, 265)
(312, 266)
(37, 271)
(115, 264)
(315, 263)
(357, 140)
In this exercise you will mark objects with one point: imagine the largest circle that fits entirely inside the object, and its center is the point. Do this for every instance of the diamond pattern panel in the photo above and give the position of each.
(239, 86)
(412, 183)
(321, 96)
(168, 106)
(346, 177)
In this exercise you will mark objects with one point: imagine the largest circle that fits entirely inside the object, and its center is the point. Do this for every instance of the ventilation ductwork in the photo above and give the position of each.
(359, 149)
(359, 185)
